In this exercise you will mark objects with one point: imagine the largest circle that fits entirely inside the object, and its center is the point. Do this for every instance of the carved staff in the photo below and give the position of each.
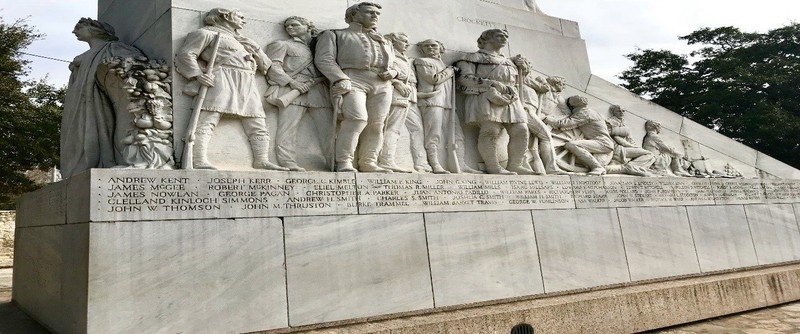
(452, 153)
(338, 100)
(188, 157)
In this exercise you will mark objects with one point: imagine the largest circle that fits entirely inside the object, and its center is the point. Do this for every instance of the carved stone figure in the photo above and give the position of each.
(357, 62)
(593, 128)
(232, 89)
(628, 157)
(668, 159)
(296, 87)
(95, 121)
(436, 95)
(404, 93)
(492, 102)
(416, 135)
(530, 90)
(148, 141)
(550, 100)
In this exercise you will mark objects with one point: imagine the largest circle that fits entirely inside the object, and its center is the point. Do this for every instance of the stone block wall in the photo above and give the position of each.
(7, 238)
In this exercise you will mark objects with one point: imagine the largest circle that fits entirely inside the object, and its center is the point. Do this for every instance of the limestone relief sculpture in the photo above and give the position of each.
(403, 94)
(591, 146)
(541, 148)
(221, 65)
(668, 159)
(437, 106)
(628, 157)
(117, 110)
(488, 79)
(296, 87)
(357, 62)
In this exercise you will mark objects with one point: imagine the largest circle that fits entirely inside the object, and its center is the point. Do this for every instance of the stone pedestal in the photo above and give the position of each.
(131, 251)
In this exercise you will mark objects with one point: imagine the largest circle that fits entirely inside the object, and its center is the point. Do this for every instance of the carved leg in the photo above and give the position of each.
(205, 130)
(433, 160)
(517, 145)
(487, 147)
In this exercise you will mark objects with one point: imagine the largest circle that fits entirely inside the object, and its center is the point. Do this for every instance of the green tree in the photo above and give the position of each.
(30, 113)
(744, 85)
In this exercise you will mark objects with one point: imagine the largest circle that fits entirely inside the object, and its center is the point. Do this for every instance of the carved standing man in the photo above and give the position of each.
(293, 76)
(668, 159)
(543, 151)
(357, 62)
(594, 129)
(489, 80)
(404, 93)
(231, 85)
(435, 94)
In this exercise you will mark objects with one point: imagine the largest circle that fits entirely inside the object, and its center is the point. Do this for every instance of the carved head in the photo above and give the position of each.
(230, 18)
(431, 48)
(88, 28)
(399, 41)
(298, 26)
(617, 111)
(652, 126)
(493, 39)
(577, 101)
(364, 13)
(556, 82)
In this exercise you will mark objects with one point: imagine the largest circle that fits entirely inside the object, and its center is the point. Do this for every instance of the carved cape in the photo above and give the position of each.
(91, 134)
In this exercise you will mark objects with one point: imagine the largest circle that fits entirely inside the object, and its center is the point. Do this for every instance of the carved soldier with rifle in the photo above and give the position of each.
(230, 86)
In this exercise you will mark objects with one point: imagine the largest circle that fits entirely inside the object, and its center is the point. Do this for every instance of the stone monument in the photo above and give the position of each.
(253, 235)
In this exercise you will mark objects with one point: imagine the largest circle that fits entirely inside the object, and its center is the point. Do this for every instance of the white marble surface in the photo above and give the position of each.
(50, 275)
(716, 160)
(717, 141)
(46, 206)
(722, 237)
(775, 232)
(658, 242)
(482, 256)
(130, 195)
(343, 267)
(580, 248)
(737, 191)
(613, 94)
(189, 276)
(776, 167)
(132, 18)
(553, 54)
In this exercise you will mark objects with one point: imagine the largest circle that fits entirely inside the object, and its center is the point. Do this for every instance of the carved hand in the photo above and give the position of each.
(342, 87)
(206, 79)
(404, 89)
(388, 75)
(303, 88)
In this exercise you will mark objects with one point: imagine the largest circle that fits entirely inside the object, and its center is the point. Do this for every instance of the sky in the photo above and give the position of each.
(611, 28)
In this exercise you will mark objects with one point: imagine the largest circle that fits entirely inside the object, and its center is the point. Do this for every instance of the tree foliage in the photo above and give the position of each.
(30, 113)
(744, 85)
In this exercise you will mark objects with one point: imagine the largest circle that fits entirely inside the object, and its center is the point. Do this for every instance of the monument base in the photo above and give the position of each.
(132, 251)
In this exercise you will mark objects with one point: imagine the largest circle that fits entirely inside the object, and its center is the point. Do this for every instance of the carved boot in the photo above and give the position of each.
(516, 157)
(548, 156)
(433, 160)
(462, 162)
(200, 151)
(260, 147)
(587, 159)
(488, 150)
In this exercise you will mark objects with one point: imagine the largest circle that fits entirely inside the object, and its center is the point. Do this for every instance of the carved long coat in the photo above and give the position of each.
(478, 69)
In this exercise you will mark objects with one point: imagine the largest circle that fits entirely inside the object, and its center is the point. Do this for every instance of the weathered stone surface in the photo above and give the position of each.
(139, 195)
(738, 191)
(482, 256)
(381, 193)
(580, 248)
(722, 237)
(186, 265)
(658, 242)
(775, 232)
(343, 267)
(641, 191)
